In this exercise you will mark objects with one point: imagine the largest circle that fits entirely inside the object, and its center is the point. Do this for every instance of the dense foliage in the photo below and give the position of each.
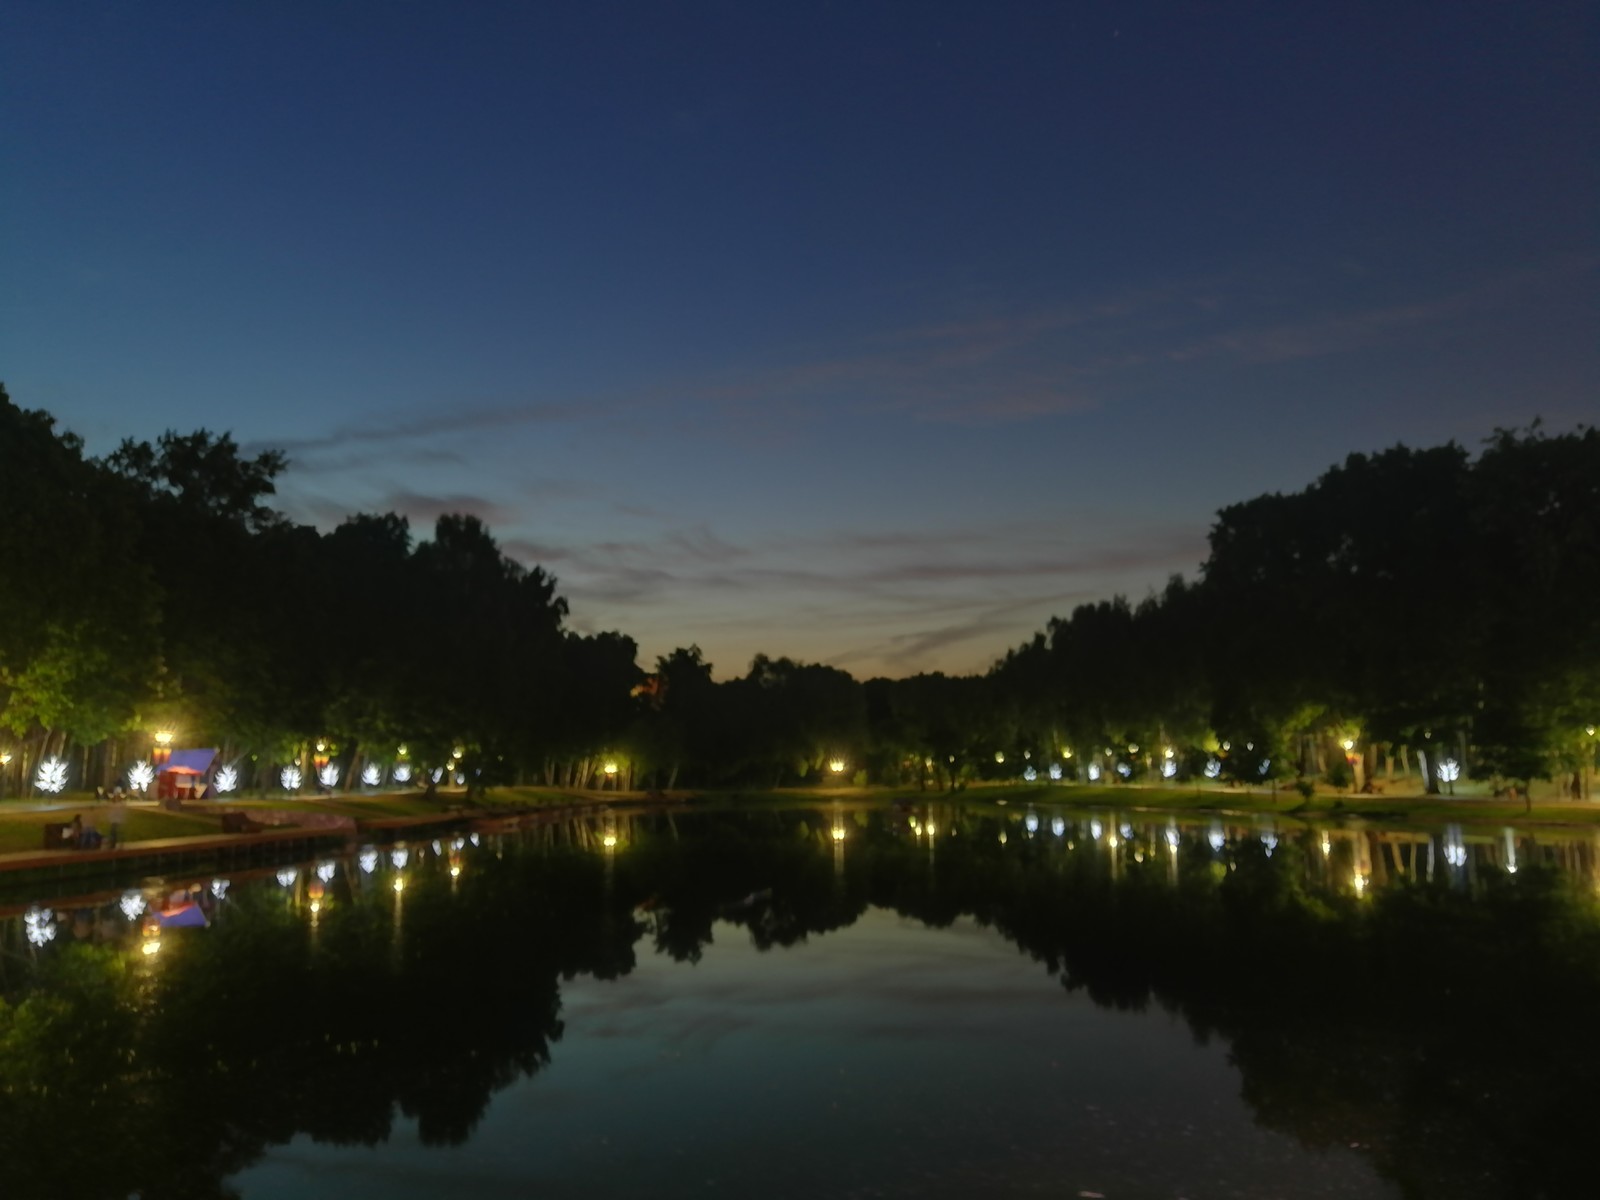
(1421, 603)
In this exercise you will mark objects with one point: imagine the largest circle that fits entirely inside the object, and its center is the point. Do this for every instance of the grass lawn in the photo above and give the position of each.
(24, 830)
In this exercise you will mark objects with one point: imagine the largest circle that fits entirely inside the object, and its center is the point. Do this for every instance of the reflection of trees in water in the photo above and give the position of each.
(1446, 1033)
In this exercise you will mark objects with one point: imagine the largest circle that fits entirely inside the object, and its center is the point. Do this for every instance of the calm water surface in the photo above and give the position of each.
(927, 1002)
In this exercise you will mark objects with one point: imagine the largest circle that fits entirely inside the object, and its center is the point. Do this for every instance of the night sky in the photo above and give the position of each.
(870, 334)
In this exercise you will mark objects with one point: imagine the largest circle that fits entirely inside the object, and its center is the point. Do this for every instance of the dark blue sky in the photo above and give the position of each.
(866, 333)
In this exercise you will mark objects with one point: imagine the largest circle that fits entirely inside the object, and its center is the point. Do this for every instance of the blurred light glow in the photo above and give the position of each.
(51, 776)
(140, 776)
(227, 780)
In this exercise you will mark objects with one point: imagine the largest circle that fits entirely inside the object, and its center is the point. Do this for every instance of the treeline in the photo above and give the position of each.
(1430, 606)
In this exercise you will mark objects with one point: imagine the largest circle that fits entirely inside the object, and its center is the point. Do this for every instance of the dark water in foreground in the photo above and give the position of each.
(932, 1003)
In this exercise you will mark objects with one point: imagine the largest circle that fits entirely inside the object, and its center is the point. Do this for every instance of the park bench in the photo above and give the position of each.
(58, 836)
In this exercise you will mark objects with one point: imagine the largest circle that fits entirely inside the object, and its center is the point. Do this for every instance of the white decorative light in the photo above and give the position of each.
(219, 888)
(1002, 837)
(402, 772)
(1213, 768)
(140, 776)
(437, 849)
(1057, 826)
(51, 776)
(1124, 770)
(1169, 768)
(460, 778)
(1216, 837)
(328, 775)
(287, 876)
(1055, 772)
(227, 780)
(1269, 842)
(1126, 830)
(438, 774)
(400, 857)
(132, 905)
(1029, 774)
(372, 774)
(1094, 772)
(1266, 765)
(999, 756)
(325, 871)
(290, 777)
(1449, 770)
(1096, 829)
(1031, 822)
(1172, 837)
(473, 838)
(40, 925)
(458, 843)
(369, 860)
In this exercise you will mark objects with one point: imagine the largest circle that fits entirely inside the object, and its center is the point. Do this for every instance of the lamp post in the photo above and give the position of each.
(163, 749)
(5, 770)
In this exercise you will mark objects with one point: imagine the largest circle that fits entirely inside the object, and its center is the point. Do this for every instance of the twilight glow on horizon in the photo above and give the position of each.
(869, 334)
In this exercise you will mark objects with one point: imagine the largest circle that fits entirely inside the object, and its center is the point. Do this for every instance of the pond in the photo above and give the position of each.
(929, 1001)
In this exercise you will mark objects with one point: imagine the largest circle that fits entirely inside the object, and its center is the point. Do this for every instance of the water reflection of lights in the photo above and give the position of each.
(152, 946)
(325, 871)
(132, 905)
(1057, 826)
(399, 857)
(1455, 848)
(932, 829)
(1126, 830)
(1217, 837)
(1096, 829)
(1055, 772)
(1002, 837)
(838, 833)
(1112, 841)
(1172, 838)
(1327, 846)
(1031, 822)
(1360, 882)
(609, 841)
(287, 876)
(219, 888)
(1269, 843)
(40, 925)
(399, 883)
(1511, 851)
(369, 860)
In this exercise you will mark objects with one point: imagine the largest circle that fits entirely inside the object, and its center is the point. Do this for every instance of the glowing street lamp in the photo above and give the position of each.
(163, 750)
(836, 765)
(611, 773)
